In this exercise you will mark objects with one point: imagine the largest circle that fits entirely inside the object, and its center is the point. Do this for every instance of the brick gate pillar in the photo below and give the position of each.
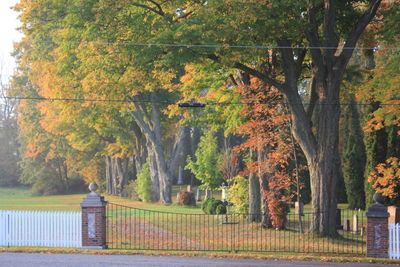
(93, 220)
(377, 229)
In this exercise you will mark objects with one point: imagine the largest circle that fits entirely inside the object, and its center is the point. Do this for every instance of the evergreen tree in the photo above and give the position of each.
(205, 168)
(376, 150)
(393, 142)
(354, 159)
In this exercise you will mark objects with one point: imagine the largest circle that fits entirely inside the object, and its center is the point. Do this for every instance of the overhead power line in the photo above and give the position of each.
(213, 45)
(183, 104)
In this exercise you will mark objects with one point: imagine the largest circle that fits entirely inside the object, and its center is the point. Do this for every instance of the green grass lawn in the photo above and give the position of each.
(22, 199)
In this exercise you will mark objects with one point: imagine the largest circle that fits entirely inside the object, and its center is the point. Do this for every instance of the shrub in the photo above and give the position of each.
(50, 185)
(213, 206)
(221, 209)
(186, 198)
(238, 194)
(46, 186)
(143, 183)
(130, 191)
(206, 204)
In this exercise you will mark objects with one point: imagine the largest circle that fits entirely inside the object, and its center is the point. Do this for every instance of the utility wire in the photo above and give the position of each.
(177, 103)
(213, 45)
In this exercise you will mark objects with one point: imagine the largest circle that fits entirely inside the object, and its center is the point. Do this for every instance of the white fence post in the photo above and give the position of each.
(40, 229)
(394, 240)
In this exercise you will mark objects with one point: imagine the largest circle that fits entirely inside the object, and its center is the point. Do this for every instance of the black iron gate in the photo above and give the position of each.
(139, 229)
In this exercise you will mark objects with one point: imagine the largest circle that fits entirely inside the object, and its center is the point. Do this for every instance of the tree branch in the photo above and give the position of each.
(157, 5)
(299, 62)
(289, 65)
(314, 40)
(158, 11)
(356, 32)
(329, 27)
(265, 77)
(262, 76)
(313, 99)
(141, 123)
(185, 15)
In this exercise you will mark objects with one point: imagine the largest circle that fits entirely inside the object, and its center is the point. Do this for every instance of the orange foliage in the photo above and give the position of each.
(386, 178)
(268, 132)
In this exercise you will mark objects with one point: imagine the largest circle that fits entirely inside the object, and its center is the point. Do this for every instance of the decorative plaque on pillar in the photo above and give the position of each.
(91, 225)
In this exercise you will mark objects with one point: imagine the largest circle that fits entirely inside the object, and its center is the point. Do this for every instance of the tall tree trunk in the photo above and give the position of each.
(140, 147)
(164, 174)
(109, 178)
(155, 180)
(165, 178)
(178, 148)
(152, 131)
(254, 196)
(114, 176)
(264, 187)
(195, 140)
(122, 166)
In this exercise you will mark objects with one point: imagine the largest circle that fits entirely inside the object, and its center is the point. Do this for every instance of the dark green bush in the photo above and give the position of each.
(213, 206)
(221, 209)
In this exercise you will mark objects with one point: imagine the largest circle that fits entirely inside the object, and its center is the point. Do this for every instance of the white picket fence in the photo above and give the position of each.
(40, 229)
(394, 240)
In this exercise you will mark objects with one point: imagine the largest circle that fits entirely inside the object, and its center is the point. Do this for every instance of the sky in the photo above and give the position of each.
(8, 35)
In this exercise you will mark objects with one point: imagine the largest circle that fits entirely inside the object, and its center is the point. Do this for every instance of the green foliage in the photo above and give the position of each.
(9, 156)
(354, 159)
(46, 186)
(238, 194)
(130, 191)
(376, 149)
(220, 209)
(213, 206)
(143, 183)
(205, 168)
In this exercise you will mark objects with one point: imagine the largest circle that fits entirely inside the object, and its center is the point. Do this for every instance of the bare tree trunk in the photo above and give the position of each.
(140, 147)
(165, 178)
(155, 180)
(121, 175)
(114, 176)
(108, 174)
(177, 150)
(264, 187)
(254, 196)
(152, 131)
(194, 142)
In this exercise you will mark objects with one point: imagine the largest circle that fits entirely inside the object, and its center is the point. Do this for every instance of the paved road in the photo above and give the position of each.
(78, 260)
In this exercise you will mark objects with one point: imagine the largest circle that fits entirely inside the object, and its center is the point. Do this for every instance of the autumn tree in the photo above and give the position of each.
(381, 89)
(267, 131)
(329, 29)
(336, 27)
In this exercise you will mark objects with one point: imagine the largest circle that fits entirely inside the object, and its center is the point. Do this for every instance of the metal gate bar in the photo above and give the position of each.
(139, 229)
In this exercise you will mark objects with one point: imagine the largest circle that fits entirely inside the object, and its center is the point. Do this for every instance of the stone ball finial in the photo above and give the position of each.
(93, 187)
(378, 198)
